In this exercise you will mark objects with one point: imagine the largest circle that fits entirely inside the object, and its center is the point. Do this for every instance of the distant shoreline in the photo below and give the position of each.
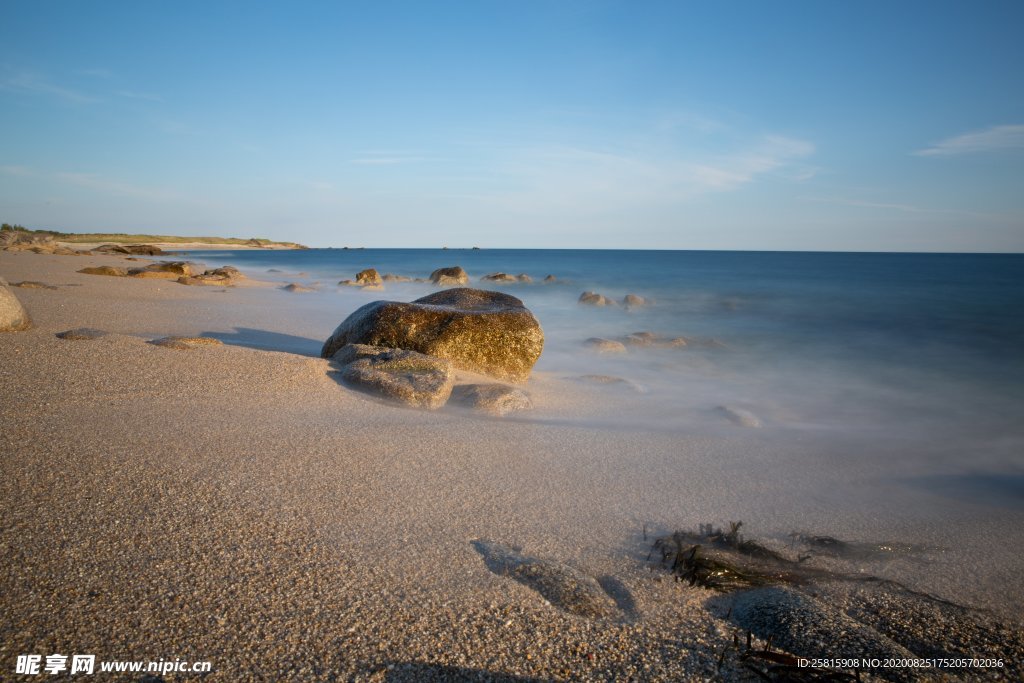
(187, 246)
(89, 240)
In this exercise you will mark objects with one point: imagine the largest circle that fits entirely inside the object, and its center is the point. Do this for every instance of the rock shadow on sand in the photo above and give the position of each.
(562, 585)
(265, 340)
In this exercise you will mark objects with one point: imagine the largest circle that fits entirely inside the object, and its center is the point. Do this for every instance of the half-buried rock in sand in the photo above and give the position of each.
(494, 399)
(486, 332)
(563, 586)
(397, 374)
(13, 317)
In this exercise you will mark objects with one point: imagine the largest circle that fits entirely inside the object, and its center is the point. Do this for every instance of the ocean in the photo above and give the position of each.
(925, 351)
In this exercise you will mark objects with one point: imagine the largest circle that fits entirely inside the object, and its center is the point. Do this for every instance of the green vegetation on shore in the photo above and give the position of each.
(122, 238)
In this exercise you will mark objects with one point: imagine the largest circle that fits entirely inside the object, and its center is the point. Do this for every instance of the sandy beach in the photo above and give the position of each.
(242, 506)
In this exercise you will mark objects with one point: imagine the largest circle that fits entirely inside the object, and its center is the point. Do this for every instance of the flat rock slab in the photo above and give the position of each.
(104, 270)
(399, 375)
(13, 316)
(481, 331)
(31, 284)
(294, 287)
(652, 339)
(739, 416)
(494, 399)
(82, 334)
(186, 343)
(611, 380)
(146, 274)
(218, 276)
(803, 626)
(602, 345)
(563, 586)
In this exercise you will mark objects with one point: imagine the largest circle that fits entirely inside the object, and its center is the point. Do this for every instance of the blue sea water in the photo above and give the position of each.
(930, 346)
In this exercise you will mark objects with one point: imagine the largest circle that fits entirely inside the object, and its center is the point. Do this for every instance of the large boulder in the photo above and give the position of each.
(13, 316)
(486, 332)
(449, 276)
(397, 374)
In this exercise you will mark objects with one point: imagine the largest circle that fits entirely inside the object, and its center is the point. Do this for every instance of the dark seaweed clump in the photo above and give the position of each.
(723, 560)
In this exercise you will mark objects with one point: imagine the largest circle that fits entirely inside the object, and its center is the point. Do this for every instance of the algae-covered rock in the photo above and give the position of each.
(486, 332)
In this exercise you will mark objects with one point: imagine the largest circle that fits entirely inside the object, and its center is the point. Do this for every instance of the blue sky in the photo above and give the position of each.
(718, 125)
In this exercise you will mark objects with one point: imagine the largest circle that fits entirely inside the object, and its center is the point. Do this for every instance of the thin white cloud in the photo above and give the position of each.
(92, 181)
(30, 83)
(20, 171)
(112, 186)
(574, 180)
(991, 139)
(386, 161)
(131, 94)
(894, 206)
(97, 72)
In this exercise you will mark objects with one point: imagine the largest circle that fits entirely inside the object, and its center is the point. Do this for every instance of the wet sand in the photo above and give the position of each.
(239, 505)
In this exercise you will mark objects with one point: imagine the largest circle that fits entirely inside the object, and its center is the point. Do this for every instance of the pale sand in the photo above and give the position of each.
(240, 506)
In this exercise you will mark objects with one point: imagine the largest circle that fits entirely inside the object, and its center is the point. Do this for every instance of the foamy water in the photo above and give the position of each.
(813, 340)
(876, 397)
